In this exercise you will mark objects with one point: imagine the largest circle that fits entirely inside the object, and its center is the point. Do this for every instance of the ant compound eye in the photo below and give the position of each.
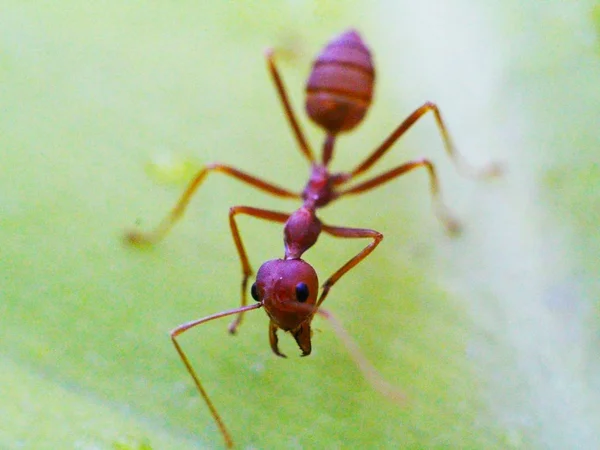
(254, 292)
(301, 292)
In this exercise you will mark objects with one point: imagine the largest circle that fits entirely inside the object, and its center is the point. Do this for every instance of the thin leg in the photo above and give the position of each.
(463, 167)
(452, 225)
(351, 233)
(186, 326)
(272, 216)
(138, 237)
(289, 112)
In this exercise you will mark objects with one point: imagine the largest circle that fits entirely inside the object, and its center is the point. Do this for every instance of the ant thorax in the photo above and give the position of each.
(301, 232)
(319, 190)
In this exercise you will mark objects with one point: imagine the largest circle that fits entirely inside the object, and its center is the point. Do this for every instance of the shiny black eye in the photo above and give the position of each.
(301, 292)
(254, 292)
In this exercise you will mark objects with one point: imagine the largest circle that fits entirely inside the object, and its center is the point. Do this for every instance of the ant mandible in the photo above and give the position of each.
(338, 94)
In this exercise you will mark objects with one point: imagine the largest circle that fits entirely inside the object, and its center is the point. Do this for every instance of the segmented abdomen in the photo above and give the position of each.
(340, 87)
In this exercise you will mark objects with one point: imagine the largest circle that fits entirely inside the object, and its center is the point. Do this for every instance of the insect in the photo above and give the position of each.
(338, 95)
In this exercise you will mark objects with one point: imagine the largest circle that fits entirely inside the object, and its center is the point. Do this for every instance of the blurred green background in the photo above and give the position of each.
(105, 109)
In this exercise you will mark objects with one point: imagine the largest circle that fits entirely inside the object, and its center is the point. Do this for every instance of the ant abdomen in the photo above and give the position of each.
(340, 86)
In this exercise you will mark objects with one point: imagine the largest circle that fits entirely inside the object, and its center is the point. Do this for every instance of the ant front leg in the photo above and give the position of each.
(351, 233)
(138, 237)
(452, 225)
(370, 373)
(265, 214)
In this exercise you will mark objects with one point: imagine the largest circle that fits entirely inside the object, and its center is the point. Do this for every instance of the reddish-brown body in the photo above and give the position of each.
(340, 87)
(339, 92)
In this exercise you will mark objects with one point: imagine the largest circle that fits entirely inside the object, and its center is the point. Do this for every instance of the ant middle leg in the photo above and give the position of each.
(440, 209)
(137, 237)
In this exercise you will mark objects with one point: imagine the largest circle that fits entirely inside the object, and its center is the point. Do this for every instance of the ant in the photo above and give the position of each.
(339, 92)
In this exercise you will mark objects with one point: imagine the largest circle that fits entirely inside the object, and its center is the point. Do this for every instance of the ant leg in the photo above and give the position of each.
(183, 328)
(289, 112)
(370, 373)
(463, 167)
(351, 233)
(272, 216)
(452, 225)
(138, 237)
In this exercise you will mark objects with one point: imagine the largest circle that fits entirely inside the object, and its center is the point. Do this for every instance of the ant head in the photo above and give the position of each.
(284, 286)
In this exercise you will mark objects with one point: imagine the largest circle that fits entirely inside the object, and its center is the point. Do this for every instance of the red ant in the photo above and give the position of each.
(339, 92)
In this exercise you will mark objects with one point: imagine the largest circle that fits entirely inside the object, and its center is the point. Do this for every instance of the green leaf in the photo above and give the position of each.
(493, 335)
